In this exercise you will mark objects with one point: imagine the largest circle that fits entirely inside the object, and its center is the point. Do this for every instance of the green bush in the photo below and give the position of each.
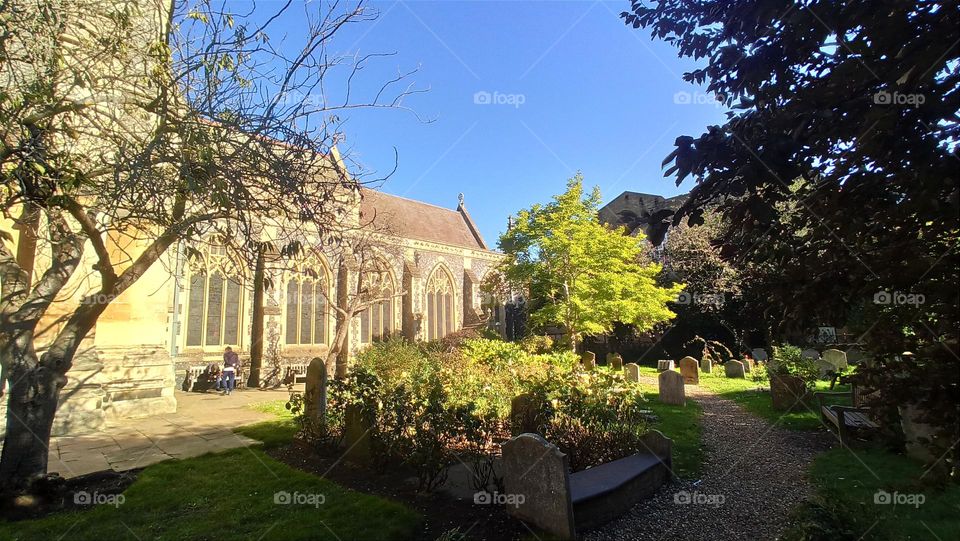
(789, 360)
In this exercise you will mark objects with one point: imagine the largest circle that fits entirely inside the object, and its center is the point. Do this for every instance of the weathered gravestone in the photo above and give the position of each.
(536, 470)
(671, 388)
(526, 414)
(759, 354)
(315, 390)
(706, 365)
(690, 370)
(786, 391)
(854, 356)
(615, 361)
(356, 434)
(589, 360)
(747, 365)
(810, 354)
(664, 365)
(632, 371)
(733, 369)
(835, 357)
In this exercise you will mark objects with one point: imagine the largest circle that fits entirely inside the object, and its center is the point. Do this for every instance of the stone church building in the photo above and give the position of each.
(185, 311)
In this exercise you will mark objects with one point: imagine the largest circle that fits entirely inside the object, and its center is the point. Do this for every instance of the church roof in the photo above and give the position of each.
(411, 219)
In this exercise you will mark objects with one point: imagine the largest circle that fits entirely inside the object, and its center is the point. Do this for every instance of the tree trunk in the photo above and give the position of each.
(256, 331)
(34, 392)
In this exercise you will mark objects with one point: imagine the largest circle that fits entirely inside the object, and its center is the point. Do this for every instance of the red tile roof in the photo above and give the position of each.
(422, 221)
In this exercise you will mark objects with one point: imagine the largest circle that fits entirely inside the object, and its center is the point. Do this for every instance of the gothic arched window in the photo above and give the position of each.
(306, 304)
(441, 316)
(214, 301)
(377, 321)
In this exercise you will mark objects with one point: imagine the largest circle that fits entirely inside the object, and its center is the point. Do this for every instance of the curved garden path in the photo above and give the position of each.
(753, 476)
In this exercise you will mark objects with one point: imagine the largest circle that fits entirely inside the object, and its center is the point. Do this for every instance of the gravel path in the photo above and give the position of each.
(752, 478)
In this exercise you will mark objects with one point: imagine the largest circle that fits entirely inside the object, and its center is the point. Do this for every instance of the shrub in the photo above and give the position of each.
(537, 344)
(788, 361)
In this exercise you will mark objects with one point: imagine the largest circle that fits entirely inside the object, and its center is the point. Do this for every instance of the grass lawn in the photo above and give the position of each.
(273, 433)
(682, 425)
(227, 495)
(746, 393)
(847, 505)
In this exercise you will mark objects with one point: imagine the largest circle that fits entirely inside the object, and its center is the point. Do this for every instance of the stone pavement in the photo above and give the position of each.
(203, 423)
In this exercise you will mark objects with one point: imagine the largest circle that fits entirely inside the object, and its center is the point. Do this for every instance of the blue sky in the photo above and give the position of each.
(576, 90)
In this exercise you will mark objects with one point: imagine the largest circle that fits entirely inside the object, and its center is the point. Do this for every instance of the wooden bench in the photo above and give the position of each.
(297, 373)
(545, 493)
(194, 373)
(846, 418)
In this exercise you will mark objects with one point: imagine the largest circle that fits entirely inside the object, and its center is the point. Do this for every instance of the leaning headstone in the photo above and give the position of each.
(671, 388)
(632, 372)
(760, 354)
(615, 361)
(535, 475)
(356, 434)
(690, 371)
(825, 367)
(664, 365)
(810, 354)
(835, 357)
(525, 414)
(734, 369)
(748, 365)
(588, 360)
(706, 365)
(315, 390)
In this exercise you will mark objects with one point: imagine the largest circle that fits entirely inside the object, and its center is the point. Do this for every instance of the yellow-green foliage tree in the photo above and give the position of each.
(579, 273)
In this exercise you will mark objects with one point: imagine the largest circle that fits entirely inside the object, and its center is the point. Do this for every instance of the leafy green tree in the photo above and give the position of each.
(836, 168)
(579, 273)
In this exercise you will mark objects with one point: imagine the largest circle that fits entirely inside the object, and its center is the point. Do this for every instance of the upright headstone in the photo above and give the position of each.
(588, 360)
(664, 365)
(733, 369)
(747, 365)
(786, 391)
(315, 390)
(535, 475)
(810, 354)
(825, 367)
(760, 354)
(690, 370)
(835, 357)
(525, 414)
(706, 365)
(671, 388)
(855, 356)
(356, 434)
(632, 371)
(615, 361)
